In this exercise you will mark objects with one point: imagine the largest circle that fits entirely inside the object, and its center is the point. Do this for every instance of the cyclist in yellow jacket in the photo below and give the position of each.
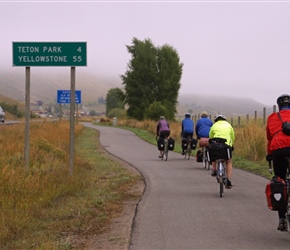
(224, 130)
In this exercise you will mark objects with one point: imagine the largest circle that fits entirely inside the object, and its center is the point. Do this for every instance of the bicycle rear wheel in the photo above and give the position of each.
(221, 188)
(204, 158)
(188, 152)
(165, 152)
(288, 201)
(220, 174)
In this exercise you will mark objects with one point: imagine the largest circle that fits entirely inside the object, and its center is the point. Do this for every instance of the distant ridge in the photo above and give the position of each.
(44, 86)
(225, 105)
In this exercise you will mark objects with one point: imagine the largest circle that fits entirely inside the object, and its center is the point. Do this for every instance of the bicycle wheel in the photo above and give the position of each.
(221, 177)
(185, 153)
(221, 188)
(204, 158)
(288, 201)
(165, 152)
(188, 151)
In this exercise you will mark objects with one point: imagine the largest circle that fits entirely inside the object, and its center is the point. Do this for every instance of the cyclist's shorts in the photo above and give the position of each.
(219, 151)
(164, 134)
(187, 134)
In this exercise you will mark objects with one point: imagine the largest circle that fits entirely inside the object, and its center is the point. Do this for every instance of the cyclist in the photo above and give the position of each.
(162, 130)
(203, 126)
(224, 130)
(278, 146)
(187, 128)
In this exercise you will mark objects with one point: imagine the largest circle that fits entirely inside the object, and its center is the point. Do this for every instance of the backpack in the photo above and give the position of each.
(285, 126)
(171, 144)
(199, 156)
(276, 194)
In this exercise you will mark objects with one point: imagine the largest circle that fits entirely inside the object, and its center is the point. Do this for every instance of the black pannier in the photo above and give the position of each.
(217, 149)
(171, 144)
(184, 143)
(276, 194)
(199, 156)
(160, 143)
(193, 143)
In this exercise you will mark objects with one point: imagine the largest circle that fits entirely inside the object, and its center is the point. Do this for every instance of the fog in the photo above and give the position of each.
(233, 48)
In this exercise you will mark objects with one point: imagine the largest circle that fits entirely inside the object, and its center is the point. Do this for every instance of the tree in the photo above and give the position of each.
(155, 110)
(153, 75)
(119, 113)
(114, 100)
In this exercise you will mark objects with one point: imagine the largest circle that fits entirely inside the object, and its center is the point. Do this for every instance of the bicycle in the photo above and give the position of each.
(164, 155)
(219, 152)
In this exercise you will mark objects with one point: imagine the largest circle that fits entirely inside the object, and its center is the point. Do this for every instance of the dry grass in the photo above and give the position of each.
(45, 207)
(150, 126)
(250, 141)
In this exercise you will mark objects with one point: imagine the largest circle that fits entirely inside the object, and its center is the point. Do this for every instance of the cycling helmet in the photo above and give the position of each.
(187, 115)
(219, 118)
(283, 100)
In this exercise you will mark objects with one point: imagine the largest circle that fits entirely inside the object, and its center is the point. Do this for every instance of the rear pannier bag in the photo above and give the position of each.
(219, 150)
(199, 157)
(160, 144)
(184, 142)
(193, 143)
(171, 144)
(276, 194)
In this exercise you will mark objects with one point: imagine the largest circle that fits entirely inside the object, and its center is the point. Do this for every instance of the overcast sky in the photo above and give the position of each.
(237, 48)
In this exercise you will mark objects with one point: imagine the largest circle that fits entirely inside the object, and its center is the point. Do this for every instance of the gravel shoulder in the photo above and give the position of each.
(117, 234)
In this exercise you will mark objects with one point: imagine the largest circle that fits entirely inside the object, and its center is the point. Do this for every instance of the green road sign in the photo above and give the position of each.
(49, 54)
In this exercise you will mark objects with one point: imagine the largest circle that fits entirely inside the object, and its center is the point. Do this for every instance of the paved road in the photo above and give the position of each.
(181, 207)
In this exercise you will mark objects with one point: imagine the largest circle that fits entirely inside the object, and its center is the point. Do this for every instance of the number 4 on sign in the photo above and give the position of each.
(79, 49)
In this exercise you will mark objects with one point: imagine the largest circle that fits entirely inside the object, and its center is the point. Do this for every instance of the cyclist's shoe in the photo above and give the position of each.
(213, 173)
(282, 226)
(160, 156)
(183, 152)
(228, 184)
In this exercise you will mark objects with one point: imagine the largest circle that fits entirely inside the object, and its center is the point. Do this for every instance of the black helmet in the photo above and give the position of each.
(283, 100)
(219, 118)
(187, 115)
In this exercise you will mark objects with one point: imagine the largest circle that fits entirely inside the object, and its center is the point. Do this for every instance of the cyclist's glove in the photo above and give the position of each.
(269, 157)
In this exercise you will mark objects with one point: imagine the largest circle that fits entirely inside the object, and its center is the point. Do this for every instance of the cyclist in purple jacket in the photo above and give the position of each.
(162, 130)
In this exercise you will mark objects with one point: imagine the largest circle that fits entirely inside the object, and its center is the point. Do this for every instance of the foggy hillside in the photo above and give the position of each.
(225, 105)
(44, 87)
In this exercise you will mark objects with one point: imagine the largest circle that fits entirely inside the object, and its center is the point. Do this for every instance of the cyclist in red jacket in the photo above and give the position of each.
(278, 146)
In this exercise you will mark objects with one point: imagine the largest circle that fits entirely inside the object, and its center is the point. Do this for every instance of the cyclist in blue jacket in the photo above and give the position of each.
(203, 126)
(187, 128)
